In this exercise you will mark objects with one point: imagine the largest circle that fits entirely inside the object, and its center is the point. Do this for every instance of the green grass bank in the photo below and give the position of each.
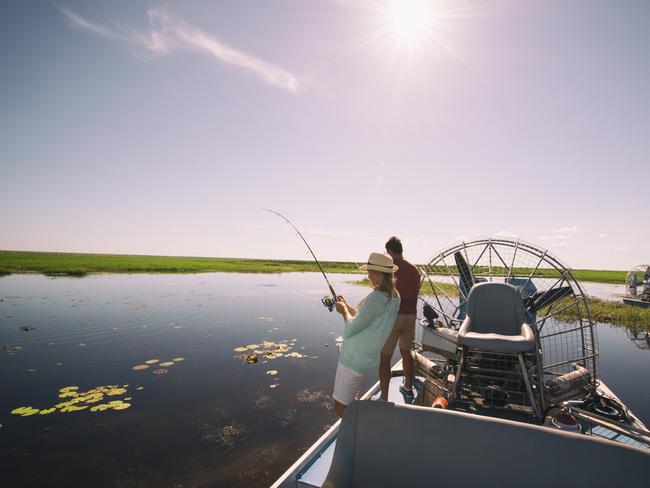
(73, 264)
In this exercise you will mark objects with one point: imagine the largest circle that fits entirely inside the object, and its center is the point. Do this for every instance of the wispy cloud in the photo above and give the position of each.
(307, 231)
(560, 236)
(554, 237)
(169, 32)
(506, 234)
(567, 230)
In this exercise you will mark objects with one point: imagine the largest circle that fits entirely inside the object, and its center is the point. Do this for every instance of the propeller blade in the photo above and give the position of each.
(544, 299)
(466, 277)
(429, 313)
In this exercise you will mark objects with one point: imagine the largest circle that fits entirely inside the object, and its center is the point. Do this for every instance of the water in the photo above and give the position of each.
(212, 419)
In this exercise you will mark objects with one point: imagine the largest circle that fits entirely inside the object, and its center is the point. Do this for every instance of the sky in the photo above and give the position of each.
(163, 127)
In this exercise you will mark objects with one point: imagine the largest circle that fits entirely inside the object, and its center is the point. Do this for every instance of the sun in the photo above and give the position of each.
(410, 20)
(407, 36)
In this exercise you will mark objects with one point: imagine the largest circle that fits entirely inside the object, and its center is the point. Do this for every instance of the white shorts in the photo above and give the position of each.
(346, 385)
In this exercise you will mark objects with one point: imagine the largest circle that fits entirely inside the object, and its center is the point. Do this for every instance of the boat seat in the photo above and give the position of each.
(383, 444)
(496, 320)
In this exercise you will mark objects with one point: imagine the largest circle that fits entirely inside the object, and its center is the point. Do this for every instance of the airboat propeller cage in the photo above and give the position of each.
(546, 284)
(638, 277)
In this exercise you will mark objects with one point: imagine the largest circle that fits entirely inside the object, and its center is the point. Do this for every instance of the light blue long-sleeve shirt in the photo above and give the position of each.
(365, 334)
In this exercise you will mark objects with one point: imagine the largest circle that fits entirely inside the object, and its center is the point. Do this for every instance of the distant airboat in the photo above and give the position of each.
(637, 286)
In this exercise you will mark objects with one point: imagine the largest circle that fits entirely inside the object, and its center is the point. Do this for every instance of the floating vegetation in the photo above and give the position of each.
(160, 365)
(11, 350)
(315, 397)
(286, 416)
(272, 372)
(225, 436)
(268, 350)
(274, 385)
(77, 401)
(25, 411)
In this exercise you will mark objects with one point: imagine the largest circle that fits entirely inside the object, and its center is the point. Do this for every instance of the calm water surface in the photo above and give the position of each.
(210, 420)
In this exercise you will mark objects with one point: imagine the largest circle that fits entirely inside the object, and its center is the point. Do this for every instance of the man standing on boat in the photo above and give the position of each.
(408, 285)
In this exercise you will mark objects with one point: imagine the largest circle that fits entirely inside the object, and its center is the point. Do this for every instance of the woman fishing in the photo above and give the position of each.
(366, 329)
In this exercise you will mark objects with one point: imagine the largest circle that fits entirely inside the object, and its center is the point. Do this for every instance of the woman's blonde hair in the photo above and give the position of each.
(388, 284)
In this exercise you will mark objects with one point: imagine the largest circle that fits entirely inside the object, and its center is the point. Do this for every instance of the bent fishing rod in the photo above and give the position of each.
(327, 301)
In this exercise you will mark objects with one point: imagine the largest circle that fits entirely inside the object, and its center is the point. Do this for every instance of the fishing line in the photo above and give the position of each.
(327, 301)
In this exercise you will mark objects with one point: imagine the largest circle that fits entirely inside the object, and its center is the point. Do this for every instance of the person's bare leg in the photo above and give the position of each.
(384, 375)
(340, 408)
(407, 362)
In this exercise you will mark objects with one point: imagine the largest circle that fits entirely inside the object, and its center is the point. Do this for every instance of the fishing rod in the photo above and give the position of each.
(327, 301)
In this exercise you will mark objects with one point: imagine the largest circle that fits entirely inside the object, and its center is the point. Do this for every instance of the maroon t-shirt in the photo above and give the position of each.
(408, 285)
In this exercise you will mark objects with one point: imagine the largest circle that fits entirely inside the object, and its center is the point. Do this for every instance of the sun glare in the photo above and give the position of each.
(408, 35)
(410, 19)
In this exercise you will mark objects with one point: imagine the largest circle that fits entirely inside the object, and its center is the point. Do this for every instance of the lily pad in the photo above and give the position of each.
(251, 358)
(140, 367)
(178, 360)
(272, 372)
(122, 406)
(240, 349)
(167, 363)
(116, 391)
(151, 361)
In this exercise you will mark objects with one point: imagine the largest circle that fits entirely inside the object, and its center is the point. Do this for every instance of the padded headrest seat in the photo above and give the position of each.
(496, 320)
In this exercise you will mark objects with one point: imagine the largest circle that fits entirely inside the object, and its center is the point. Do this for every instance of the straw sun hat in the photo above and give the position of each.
(378, 261)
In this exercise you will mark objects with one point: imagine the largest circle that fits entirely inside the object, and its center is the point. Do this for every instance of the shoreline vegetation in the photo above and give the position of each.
(76, 264)
(79, 265)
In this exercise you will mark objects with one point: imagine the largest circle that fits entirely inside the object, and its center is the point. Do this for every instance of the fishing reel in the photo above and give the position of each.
(329, 302)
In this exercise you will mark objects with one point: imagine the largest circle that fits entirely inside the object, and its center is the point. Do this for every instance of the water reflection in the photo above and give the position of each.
(641, 339)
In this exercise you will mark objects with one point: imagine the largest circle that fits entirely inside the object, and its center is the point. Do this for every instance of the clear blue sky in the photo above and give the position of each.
(152, 127)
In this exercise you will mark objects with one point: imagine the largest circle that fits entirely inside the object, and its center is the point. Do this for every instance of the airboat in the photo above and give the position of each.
(507, 347)
(637, 286)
